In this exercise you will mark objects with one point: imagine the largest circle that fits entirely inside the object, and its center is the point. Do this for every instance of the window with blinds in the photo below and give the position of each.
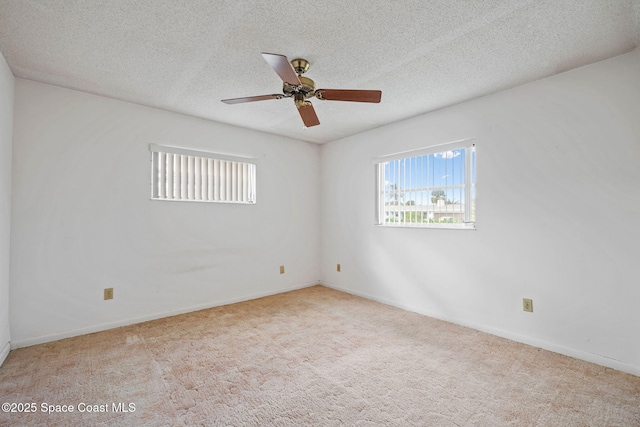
(186, 175)
(431, 187)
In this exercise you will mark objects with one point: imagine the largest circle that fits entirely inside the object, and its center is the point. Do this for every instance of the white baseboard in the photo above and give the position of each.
(4, 352)
(535, 342)
(126, 322)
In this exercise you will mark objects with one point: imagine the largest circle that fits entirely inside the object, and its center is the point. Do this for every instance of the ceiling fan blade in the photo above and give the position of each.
(282, 67)
(349, 95)
(308, 115)
(252, 98)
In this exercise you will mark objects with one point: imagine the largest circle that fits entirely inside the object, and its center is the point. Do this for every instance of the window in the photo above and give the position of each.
(431, 187)
(179, 174)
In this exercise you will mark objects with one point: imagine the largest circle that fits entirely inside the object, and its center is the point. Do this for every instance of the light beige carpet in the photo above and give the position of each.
(313, 357)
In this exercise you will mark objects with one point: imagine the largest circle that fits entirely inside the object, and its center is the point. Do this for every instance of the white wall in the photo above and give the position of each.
(82, 220)
(558, 213)
(6, 126)
(558, 204)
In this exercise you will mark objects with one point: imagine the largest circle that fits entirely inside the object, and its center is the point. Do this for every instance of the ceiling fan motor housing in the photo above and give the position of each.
(307, 88)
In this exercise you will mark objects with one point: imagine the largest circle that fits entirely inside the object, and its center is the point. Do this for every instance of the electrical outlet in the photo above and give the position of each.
(108, 293)
(527, 304)
(282, 269)
(338, 268)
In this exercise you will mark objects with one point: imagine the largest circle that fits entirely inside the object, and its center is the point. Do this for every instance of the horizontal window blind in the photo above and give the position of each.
(185, 175)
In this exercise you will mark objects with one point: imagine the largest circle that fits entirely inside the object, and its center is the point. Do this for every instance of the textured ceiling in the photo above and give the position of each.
(186, 56)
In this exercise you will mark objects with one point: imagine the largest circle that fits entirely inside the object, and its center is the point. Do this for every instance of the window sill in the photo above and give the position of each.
(430, 227)
(155, 199)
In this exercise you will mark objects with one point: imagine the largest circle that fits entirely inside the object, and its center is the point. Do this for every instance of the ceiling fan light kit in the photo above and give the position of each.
(300, 88)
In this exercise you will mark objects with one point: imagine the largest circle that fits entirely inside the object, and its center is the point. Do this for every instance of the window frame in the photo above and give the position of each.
(470, 169)
(156, 150)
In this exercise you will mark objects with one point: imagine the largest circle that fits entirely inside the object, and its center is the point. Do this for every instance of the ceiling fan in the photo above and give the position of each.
(301, 88)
